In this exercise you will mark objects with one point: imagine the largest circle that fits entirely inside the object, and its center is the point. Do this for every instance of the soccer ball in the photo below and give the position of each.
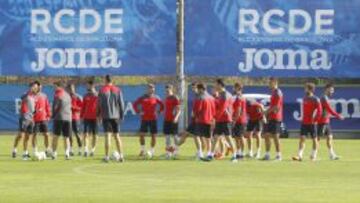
(115, 156)
(39, 156)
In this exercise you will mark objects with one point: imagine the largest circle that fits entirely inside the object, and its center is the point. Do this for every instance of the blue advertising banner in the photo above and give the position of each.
(76, 37)
(273, 38)
(10, 105)
(346, 101)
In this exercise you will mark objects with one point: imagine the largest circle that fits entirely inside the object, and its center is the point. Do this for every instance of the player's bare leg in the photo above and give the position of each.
(277, 147)
(257, 136)
(71, 145)
(267, 138)
(79, 143)
(239, 141)
(214, 144)
(107, 146)
(176, 141)
(249, 144)
(25, 146)
(168, 146)
(54, 146)
(231, 143)
(119, 147)
(315, 146)
(299, 157)
(17, 140)
(199, 147)
(47, 144)
(330, 145)
(86, 144)
(142, 144)
(93, 144)
(208, 145)
(34, 143)
(151, 152)
(67, 147)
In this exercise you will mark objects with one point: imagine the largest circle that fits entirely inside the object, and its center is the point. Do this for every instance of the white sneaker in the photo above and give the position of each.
(278, 158)
(334, 157)
(258, 156)
(150, 155)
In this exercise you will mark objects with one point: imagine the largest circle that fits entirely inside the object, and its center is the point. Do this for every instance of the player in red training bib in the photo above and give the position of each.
(311, 114)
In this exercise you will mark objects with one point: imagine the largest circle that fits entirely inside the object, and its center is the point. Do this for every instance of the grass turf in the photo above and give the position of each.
(185, 180)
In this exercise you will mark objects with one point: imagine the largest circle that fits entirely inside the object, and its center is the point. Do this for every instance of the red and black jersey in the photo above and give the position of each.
(61, 108)
(204, 109)
(111, 103)
(254, 110)
(42, 108)
(224, 107)
(76, 106)
(90, 102)
(311, 105)
(276, 101)
(27, 108)
(171, 104)
(327, 111)
(240, 112)
(148, 104)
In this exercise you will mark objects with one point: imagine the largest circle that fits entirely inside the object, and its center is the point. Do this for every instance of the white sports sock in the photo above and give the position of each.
(152, 150)
(332, 152)
(67, 152)
(15, 150)
(200, 153)
(278, 153)
(258, 151)
(301, 151)
(93, 150)
(314, 153)
(267, 153)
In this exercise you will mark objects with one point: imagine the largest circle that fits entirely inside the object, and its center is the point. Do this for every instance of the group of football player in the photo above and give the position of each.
(221, 123)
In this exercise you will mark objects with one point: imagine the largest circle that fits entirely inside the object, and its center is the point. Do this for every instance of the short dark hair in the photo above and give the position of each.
(36, 82)
(108, 78)
(329, 85)
(169, 86)
(310, 86)
(59, 83)
(201, 86)
(220, 82)
(238, 85)
(90, 82)
(273, 79)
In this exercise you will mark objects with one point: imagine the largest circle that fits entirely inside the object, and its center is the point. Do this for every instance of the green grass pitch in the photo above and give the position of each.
(185, 180)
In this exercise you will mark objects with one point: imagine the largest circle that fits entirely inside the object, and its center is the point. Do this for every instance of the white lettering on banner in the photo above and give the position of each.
(76, 58)
(321, 24)
(90, 21)
(17, 105)
(265, 59)
(344, 106)
(129, 109)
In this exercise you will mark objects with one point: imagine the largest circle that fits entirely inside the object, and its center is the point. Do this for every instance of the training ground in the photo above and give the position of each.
(184, 180)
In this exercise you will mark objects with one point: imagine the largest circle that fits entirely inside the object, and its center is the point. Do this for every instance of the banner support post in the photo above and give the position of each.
(181, 86)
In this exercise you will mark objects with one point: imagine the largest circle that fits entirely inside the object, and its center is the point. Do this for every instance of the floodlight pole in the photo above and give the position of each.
(180, 64)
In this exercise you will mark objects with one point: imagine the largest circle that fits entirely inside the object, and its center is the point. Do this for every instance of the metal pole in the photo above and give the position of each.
(180, 64)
